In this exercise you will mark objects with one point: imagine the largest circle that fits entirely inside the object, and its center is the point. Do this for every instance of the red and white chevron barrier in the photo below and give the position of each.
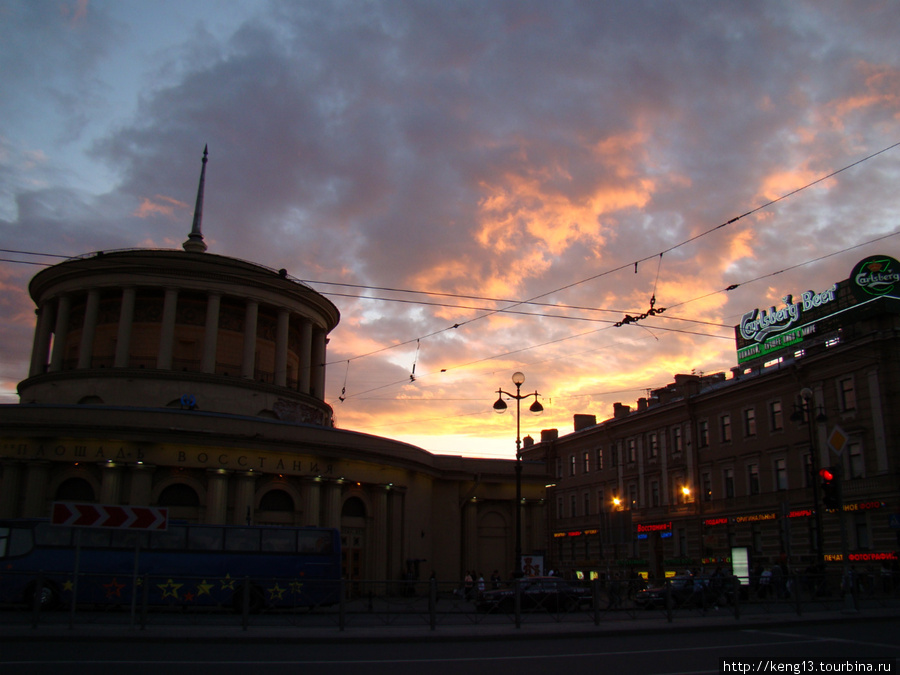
(108, 515)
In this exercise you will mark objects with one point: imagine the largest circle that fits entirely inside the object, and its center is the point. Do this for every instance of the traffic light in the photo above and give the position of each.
(831, 488)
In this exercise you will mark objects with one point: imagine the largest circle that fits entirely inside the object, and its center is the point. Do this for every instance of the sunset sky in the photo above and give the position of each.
(480, 187)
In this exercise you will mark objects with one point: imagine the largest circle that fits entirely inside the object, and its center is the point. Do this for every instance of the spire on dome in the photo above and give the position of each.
(195, 243)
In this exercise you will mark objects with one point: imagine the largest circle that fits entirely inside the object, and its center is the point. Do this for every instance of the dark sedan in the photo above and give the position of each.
(549, 594)
(686, 591)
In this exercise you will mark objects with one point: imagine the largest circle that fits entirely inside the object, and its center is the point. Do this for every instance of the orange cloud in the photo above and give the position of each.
(159, 205)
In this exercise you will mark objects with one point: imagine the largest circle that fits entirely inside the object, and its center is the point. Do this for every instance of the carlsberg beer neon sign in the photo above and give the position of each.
(758, 324)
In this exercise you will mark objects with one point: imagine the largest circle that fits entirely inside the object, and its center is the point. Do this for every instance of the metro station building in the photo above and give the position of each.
(710, 463)
(193, 381)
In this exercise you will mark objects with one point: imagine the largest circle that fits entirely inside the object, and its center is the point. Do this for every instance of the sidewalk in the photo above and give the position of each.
(258, 632)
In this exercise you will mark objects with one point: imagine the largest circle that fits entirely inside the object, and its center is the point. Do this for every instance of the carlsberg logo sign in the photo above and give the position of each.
(758, 324)
(876, 276)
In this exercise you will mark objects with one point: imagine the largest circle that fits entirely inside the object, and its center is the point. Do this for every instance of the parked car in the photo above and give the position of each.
(549, 594)
(687, 591)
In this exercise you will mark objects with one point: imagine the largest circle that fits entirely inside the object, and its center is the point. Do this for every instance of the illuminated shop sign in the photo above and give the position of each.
(712, 522)
(756, 518)
(862, 557)
(654, 527)
(574, 533)
(801, 513)
(863, 506)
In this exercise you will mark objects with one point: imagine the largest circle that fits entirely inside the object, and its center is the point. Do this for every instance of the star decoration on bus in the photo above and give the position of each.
(169, 589)
(276, 592)
(204, 588)
(296, 586)
(228, 583)
(114, 589)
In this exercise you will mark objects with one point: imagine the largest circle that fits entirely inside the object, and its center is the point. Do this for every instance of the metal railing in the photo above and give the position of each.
(433, 604)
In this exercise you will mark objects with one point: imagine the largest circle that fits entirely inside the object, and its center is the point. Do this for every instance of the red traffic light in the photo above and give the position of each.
(826, 475)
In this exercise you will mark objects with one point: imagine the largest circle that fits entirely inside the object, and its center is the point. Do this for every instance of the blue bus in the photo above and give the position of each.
(183, 566)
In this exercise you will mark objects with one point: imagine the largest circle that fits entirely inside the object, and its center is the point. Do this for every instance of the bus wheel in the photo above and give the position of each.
(257, 600)
(49, 595)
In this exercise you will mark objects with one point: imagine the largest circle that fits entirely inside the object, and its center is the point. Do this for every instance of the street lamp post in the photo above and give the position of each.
(536, 408)
(806, 411)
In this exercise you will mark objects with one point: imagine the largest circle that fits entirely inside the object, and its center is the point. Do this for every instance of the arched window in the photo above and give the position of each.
(75, 490)
(179, 494)
(276, 500)
(353, 508)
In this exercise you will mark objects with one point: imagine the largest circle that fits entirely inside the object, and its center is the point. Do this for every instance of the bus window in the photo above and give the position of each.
(175, 538)
(95, 538)
(282, 541)
(46, 534)
(242, 539)
(315, 541)
(18, 541)
(205, 538)
(128, 539)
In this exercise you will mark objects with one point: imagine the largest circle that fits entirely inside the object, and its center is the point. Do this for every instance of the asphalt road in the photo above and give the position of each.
(801, 648)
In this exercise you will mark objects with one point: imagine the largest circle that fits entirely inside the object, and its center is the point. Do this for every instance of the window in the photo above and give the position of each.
(652, 445)
(728, 476)
(753, 479)
(781, 474)
(847, 394)
(559, 508)
(571, 465)
(600, 505)
(587, 503)
(654, 493)
(750, 422)
(706, 485)
(631, 446)
(599, 459)
(586, 462)
(776, 417)
(676, 440)
(573, 506)
(855, 458)
(725, 428)
(703, 433)
(807, 470)
(632, 496)
(861, 529)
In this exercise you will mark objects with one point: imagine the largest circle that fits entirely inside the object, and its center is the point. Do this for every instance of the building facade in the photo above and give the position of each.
(710, 464)
(195, 381)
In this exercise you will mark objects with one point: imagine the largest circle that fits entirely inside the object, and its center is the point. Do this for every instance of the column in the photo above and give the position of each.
(317, 380)
(167, 331)
(89, 328)
(303, 377)
(378, 543)
(126, 321)
(59, 337)
(248, 367)
(312, 504)
(470, 535)
(141, 476)
(281, 347)
(211, 333)
(110, 483)
(41, 345)
(331, 505)
(36, 475)
(244, 499)
(9, 489)
(217, 497)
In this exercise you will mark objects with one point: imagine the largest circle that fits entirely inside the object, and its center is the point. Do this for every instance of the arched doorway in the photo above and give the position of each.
(276, 507)
(353, 537)
(182, 501)
(75, 490)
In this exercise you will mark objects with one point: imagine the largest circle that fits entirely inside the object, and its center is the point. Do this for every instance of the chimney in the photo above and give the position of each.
(549, 435)
(621, 410)
(585, 421)
(643, 404)
(528, 441)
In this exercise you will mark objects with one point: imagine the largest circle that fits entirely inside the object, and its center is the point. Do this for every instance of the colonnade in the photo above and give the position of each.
(54, 325)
